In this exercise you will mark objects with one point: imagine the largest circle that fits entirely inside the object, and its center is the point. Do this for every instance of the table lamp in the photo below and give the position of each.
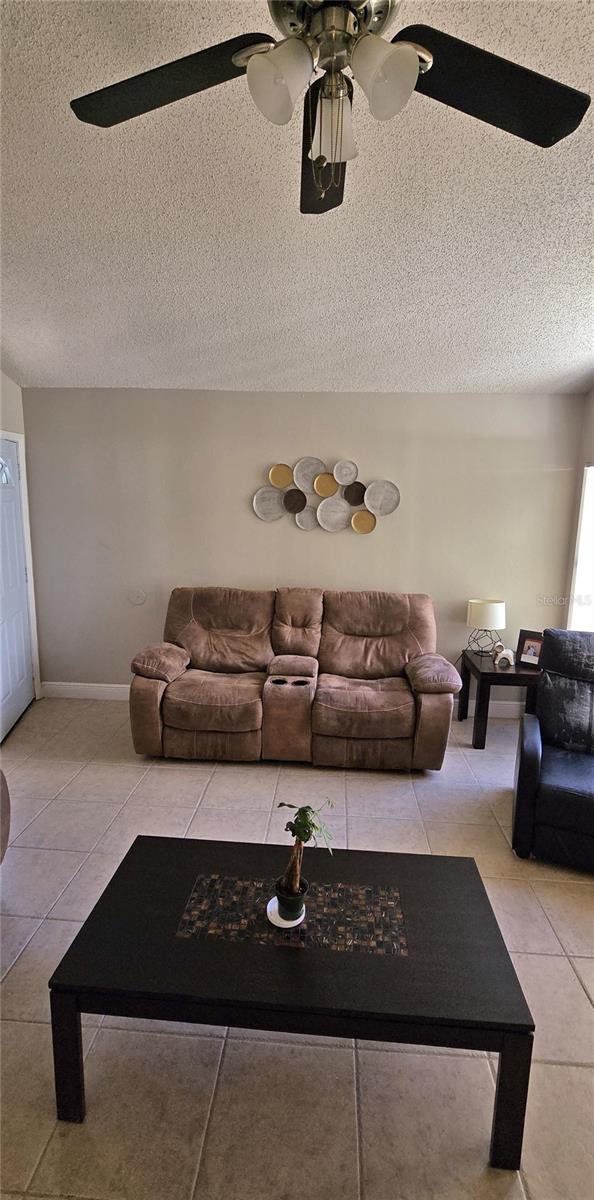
(484, 617)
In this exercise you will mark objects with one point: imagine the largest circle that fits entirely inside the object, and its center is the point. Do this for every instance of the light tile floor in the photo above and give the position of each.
(181, 1112)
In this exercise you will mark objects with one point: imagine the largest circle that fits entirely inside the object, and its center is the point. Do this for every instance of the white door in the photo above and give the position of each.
(17, 687)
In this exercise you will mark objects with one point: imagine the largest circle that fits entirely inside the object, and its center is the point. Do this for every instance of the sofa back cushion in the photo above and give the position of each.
(565, 693)
(297, 624)
(222, 629)
(372, 635)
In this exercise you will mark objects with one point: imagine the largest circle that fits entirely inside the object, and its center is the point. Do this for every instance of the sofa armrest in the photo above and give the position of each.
(432, 673)
(294, 664)
(146, 720)
(527, 780)
(162, 661)
(434, 718)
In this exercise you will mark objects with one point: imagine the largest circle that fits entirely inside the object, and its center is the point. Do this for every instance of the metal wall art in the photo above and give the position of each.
(317, 498)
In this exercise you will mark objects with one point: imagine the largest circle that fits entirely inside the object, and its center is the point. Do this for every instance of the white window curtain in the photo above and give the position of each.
(581, 600)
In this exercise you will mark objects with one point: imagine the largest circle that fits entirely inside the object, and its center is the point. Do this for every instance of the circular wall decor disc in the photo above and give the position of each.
(382, 497)
(280, 475)
(268, 504)
(305, 472)
(325, 485)
(363, 522)
(345, 471)
(334, 514)
(294, 500)
(307, 519)
(354, 494)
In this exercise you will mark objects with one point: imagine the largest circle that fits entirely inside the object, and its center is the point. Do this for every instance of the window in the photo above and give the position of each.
(5, 475)
(581, 601)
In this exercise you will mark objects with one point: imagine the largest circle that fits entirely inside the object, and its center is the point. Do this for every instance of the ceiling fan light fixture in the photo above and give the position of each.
(387, 73)
(277, 78)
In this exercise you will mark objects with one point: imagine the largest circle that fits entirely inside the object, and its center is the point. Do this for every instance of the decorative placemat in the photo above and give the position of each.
(350, 917)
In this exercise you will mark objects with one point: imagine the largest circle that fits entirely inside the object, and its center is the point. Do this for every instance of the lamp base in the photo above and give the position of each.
(483, 641)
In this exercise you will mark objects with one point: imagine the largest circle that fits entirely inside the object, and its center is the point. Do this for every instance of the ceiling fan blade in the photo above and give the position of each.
(162, 85)
(497, 91)
(311, 201)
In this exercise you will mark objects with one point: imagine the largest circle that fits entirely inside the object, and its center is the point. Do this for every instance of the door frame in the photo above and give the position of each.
(19, 438)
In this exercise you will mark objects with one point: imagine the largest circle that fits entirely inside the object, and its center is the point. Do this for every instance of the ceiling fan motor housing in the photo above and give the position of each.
(294, 18)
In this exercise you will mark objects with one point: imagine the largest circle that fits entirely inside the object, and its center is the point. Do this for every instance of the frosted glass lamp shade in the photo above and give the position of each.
(333, 134)
(387, 73)
(277, 78)
(486, 614)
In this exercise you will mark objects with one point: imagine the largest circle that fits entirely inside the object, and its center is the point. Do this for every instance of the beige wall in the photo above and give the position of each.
(151, 489)
(11, 406)
(588, 431)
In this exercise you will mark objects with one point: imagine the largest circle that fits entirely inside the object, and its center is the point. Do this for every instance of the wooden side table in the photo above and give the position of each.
(487, 675)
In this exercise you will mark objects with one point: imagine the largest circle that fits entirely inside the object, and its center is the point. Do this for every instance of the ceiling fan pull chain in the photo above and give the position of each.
(337, 156)
(317, 183)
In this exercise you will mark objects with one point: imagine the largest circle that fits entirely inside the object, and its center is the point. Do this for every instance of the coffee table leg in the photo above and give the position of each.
(464, 691)
(510, 1101)
(68, 1057)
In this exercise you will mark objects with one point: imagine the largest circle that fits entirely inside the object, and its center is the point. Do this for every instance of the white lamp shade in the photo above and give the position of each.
(486, 614)
(333, 135)
(277, 78)
(387, 73)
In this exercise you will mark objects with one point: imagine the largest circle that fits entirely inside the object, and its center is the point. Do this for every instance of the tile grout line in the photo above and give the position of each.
(79, 868)
(199, 801)
(422, 819)
(192, 1193)
(40, 921)
(13, 840)
(50, 801)
(441, 1052)
(69, 849)
(578, 977)
(55, 1125)
(547, 918)
(136, 785)
(102, 800)
(75, 776)
(524, 1184)
(272, 806)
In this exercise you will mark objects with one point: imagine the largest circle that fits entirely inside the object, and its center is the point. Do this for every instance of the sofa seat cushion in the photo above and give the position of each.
(363, 708)
(566, 793)
(205, 700)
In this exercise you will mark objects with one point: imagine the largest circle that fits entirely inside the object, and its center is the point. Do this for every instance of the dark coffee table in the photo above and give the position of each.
(455, 986)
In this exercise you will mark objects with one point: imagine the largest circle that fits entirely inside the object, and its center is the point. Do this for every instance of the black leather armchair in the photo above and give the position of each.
(554, 799)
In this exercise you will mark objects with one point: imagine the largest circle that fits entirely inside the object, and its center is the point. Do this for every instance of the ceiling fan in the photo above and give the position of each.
(333, 36)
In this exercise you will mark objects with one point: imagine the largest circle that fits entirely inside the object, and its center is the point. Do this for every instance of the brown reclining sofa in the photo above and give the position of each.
(340, 679)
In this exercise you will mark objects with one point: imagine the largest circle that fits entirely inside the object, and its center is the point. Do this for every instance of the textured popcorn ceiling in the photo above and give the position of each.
(170, 251)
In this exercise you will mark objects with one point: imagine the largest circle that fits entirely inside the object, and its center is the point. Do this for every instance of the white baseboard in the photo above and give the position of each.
(120, 691)
(86, 691)
(497, 708)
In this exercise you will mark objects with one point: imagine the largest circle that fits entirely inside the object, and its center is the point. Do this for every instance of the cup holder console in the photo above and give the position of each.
(286, 717)
(294, 682)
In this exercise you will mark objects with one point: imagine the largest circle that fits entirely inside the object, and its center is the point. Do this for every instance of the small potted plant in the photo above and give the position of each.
(287, 906)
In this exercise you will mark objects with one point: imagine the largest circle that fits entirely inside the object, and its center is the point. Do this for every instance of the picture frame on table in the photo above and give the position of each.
(529, 648)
